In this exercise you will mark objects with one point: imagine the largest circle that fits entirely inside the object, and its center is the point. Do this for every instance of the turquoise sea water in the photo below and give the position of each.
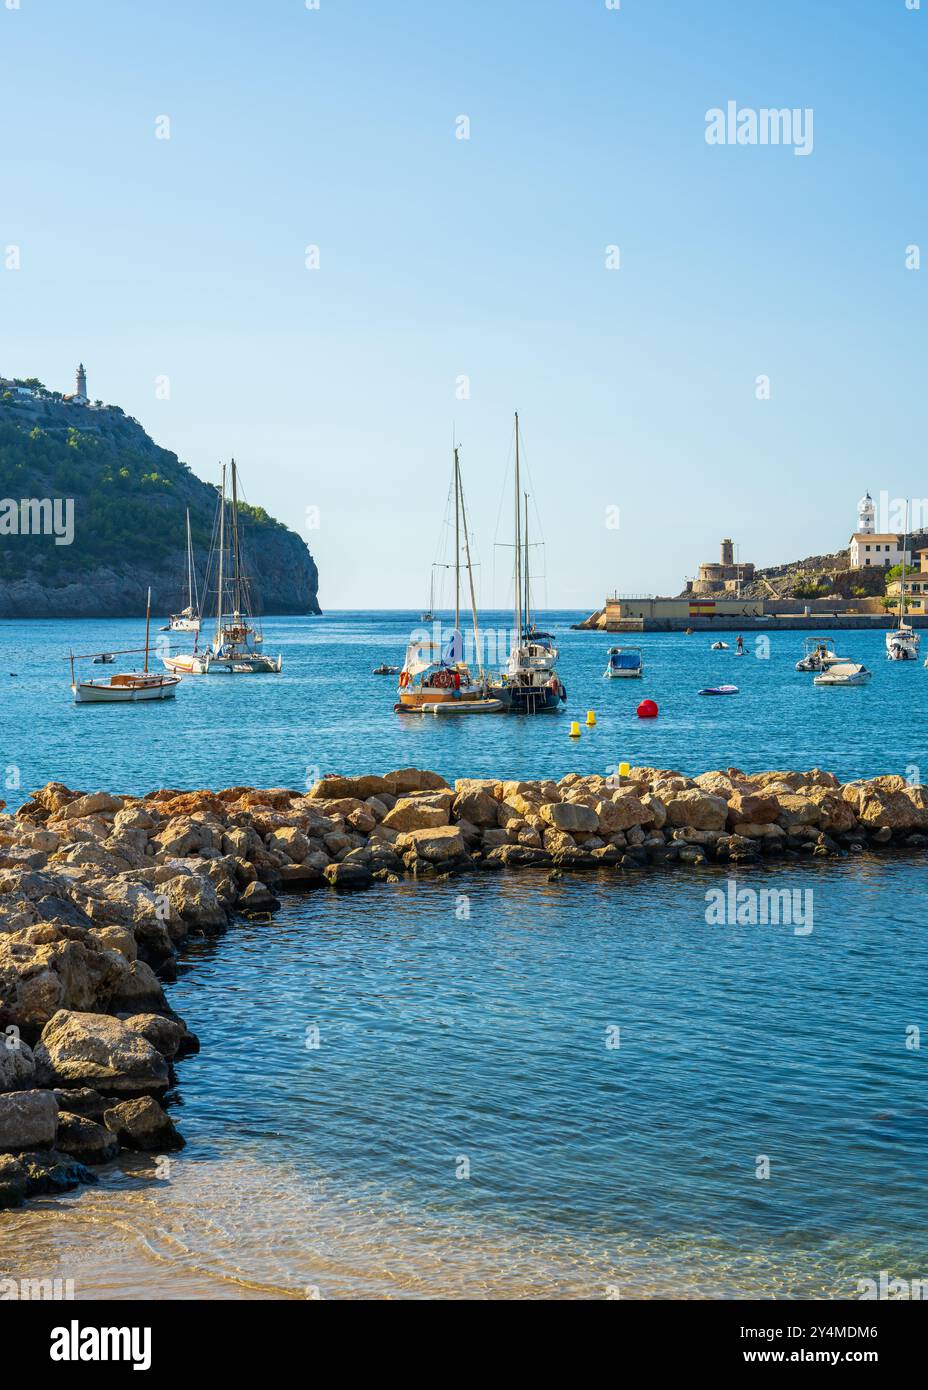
(466, 1124)
(326, 711)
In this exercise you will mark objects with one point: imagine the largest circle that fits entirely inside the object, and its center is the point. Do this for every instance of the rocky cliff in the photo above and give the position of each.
(129, 500)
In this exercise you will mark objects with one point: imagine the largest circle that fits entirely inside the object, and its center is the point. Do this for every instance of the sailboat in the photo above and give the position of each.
(530, 684)
(127, 687)
(435, 678)
(429, 615)
(902, 640)
(188, 619)
(236, 646)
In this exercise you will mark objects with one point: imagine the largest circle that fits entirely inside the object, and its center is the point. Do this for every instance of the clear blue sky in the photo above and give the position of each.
(439, 257)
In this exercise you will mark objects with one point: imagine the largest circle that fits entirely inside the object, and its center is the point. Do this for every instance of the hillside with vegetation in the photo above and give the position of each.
(130, 499)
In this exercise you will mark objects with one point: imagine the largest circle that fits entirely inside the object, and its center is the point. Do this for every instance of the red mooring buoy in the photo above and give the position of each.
(647, 710)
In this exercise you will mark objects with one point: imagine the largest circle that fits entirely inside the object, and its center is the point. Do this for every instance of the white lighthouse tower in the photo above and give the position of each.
(81, 397)
(866, 516)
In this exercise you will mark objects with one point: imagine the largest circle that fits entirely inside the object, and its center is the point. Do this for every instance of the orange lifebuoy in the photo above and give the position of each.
(404, 679)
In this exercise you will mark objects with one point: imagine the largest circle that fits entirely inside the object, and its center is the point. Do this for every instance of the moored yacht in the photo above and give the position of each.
(434, 674)
(530, 683)
(902, 641)
(236, 648)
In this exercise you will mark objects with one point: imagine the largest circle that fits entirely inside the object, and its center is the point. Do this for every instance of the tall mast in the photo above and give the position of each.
(147, 621)
(470, 577)
(905, 541)
(222, 547)
(527, 598)
(457, 541)
(518, 548)
(235, 552)
(189, 564)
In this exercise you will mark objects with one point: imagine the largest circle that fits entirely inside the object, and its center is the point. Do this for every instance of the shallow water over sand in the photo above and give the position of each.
(468, 1020)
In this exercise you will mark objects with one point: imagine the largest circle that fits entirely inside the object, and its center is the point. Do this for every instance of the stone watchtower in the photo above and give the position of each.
(728, 552)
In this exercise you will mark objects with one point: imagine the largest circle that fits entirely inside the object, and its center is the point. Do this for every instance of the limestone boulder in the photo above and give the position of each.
(42, 971)
(97, 1050)
(348, 876)
(887, 801)
(696, 808)
(28, 1120)
(168, 1036)
(331, 787)
(757, 808)
(84, 1139)
(193, 898)
(290, 841)
(570, 816)
(413, 779)
(418, 813)
(477, 805)
(90, 805)
(17, 1064)
(13, 1182)
(623, 810)
(435, 845)
(142, 1124)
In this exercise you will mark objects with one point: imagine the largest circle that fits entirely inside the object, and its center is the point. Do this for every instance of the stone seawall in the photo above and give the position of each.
(99, 893)
(781, 622)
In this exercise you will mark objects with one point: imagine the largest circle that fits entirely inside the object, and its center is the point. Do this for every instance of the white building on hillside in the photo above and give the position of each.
(872, 547)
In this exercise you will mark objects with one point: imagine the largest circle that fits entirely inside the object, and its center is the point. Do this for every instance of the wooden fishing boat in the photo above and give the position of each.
(125, 687)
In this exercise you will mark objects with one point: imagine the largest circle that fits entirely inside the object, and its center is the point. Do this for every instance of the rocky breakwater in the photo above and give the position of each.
(99, 893)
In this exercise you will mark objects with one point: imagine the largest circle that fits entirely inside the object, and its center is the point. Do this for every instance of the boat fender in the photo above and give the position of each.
(562, 691)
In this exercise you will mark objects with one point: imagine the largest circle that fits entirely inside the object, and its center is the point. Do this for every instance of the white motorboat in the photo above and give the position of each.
(817, 655)
(126, 687)
(843, 673)
(624, 663)
(719, 647)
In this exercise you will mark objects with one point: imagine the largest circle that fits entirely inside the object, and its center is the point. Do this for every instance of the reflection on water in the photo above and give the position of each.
(463, 1128)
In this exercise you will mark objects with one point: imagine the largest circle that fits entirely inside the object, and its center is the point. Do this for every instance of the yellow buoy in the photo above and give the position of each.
(623, 769)
(574, 729)
(590, 718)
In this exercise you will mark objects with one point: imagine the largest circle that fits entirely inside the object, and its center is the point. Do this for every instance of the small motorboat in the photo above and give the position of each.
(103, 659)
(719, 690)
(719, 647)
(624, 663)
(843, 673)
(384, 670)
(817, 655)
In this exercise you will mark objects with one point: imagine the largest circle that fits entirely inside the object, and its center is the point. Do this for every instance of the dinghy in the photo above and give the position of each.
(719, 690)
(719, 647)
(624, 662)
